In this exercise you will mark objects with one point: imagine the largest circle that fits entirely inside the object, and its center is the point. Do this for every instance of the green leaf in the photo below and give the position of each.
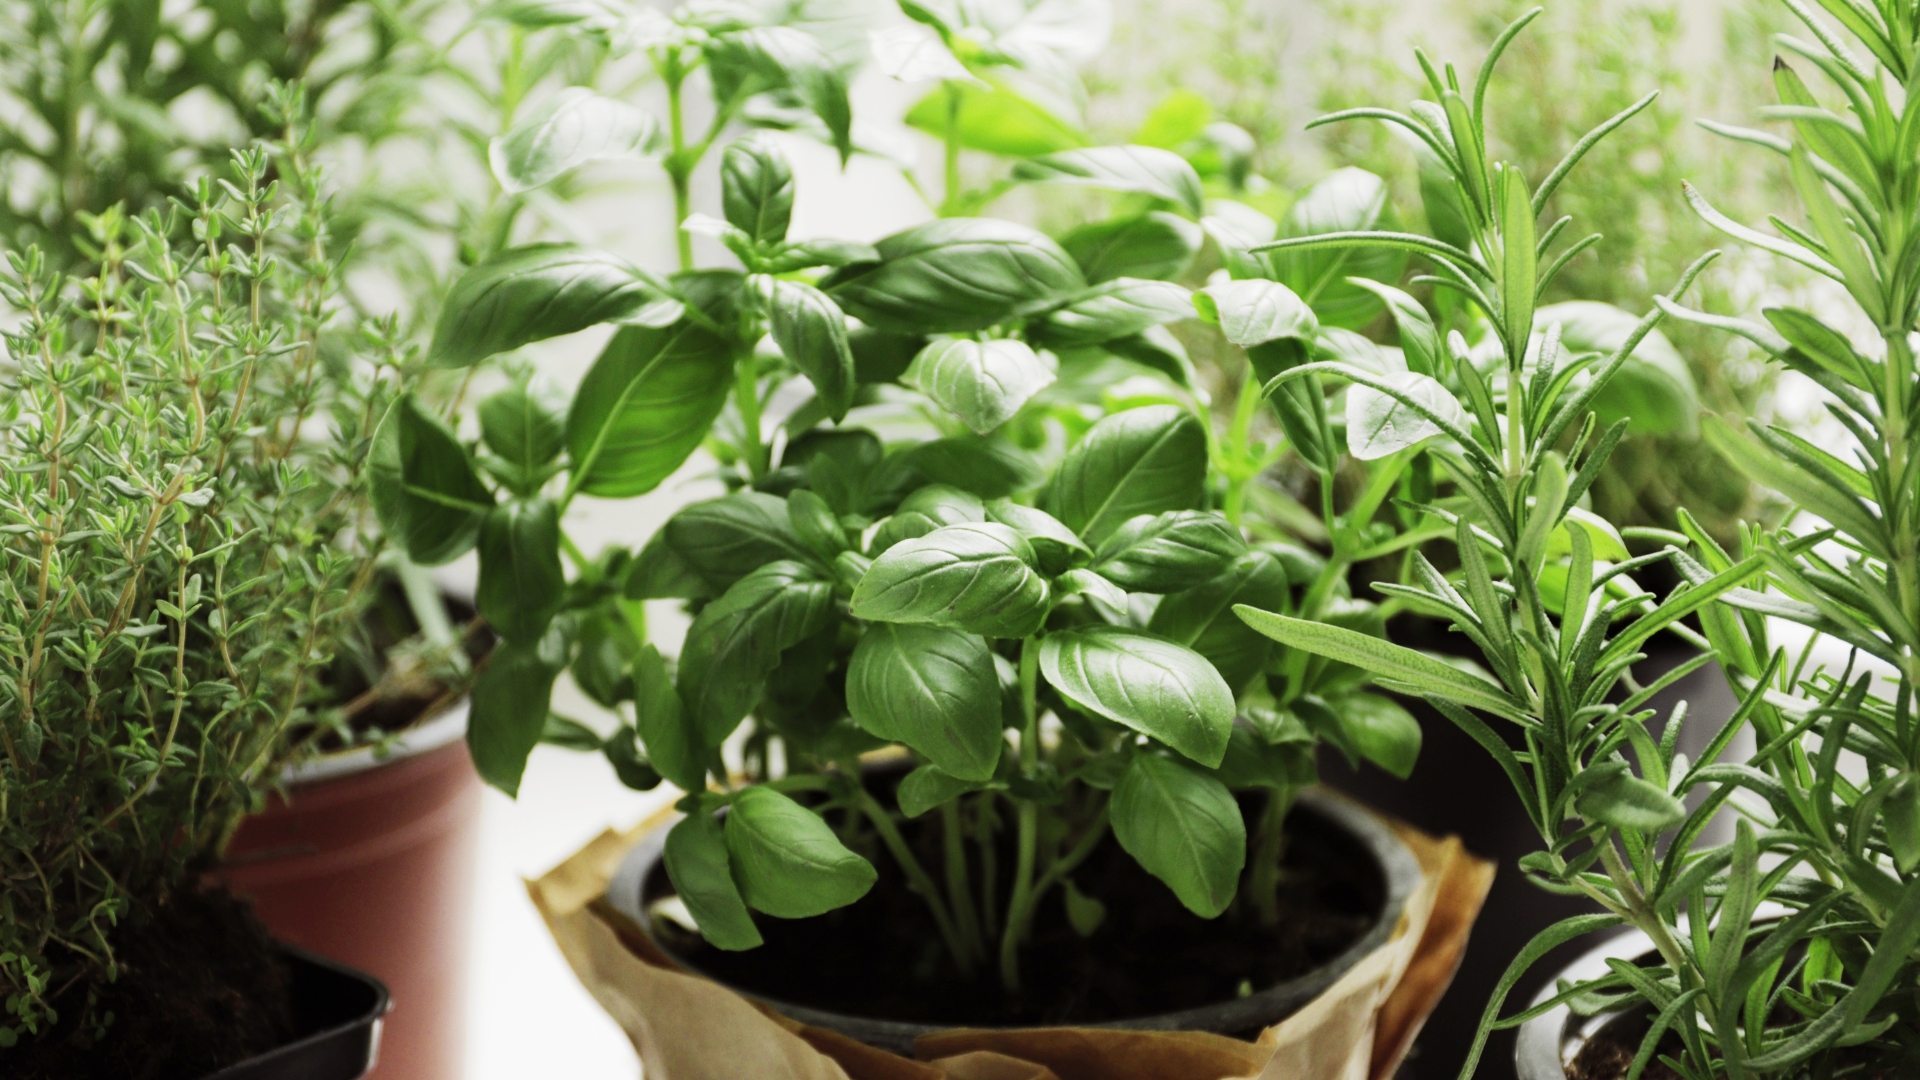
(1084, 913)
(780, 57)
(1119, 308)
(1054, 545)
(1144, 170)
(517, 427)
(811, 331)
(1900, 813)
(1380, 424)
(1624, 801)
(1142, 461)
(1254, 312)
(1158, 349)
(1168, 552)
(814, 523)
(756, 189)
(1144, 682)
(1157, 246)
(531, 293)
(1378, 729)
(927, 787)
(630, 766)
(977, 577)
(996, 119)
(984, 383)
(645, 405)
(1347, 200)
(673, 744)
(521, 582)
(424, 490)
(697, 864)
(570, 735)
(1179, 119)
(725, 539)
(1184, 828)
(736, 641)
(933, 689)
(1419, 338)
(575, 127)
(607, 645)
(659, 573)
(956, 275)
(1653, 390)
(1417, 670)
(1202, 617)
(990, 468)
(787, 861)
(1519, 272)
(1822, 344)
(510, 707)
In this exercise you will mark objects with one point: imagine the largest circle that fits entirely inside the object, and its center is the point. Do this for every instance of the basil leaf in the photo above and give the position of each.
(1167, 552)
(984, 383)
(1145, 170)
(644, 406)
(1653, 391)
(778, 57)
(517, 427)
(1254, 312)
(977, 577)
(990, 468)
(673, 744)
(1184, 828)
(1142, 461)
(576, 127)
(1378, 729)
(1348, 200)
(1202, 617)
(1119, 308)
(1157, 348)
(659, 573)
(996, 119)
(811, 331)
(927, 787)
(510, 707)
(424, 490)
(956, 275)
(698, 865)
(725, 539)
(1054, 545)
(1144, 682)
(787, 861)
(1419, 338)
(814, 523)
(606, 648)
(736, 641)
(933, 689)
(1156, 245)
(1381, 424)
(630, 766)
(822, 252)
(531, 293)
(756, 189)
(521, 583)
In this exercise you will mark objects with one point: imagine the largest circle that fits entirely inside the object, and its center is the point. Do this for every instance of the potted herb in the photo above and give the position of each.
(1806, 984)
(172, 568)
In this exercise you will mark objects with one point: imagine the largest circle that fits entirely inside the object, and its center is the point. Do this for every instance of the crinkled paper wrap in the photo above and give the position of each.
(688, 1027)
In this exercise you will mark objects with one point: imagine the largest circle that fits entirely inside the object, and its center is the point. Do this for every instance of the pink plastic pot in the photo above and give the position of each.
(371, 862)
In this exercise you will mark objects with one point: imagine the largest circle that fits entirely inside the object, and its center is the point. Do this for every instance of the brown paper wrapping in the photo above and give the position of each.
(687, 1027)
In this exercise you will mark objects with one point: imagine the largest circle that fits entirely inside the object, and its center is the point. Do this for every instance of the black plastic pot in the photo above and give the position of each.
(641, 874)
(336, 1011)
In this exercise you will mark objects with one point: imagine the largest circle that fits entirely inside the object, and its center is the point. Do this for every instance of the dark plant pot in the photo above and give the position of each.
(336, 1011)
(641, 876)
(1548, 1043)
(371, 860)
(1456, 788)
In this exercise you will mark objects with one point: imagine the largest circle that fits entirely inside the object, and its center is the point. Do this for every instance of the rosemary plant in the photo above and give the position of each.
(171, 570)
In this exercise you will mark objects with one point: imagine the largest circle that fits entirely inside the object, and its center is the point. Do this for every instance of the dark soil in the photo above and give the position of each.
(1609, 1054)
(882, 957)
(201, 987)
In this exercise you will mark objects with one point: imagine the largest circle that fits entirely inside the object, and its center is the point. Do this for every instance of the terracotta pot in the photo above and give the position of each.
(370, 861)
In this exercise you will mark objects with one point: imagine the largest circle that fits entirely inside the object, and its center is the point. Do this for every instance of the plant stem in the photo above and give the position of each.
(959, 885)
(679, 170)
(1028, 820)
(1270, 845)
(984, 831)
(917, 877)
(746, 397)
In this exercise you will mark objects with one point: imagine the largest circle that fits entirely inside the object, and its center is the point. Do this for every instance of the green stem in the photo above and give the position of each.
(917, 877)
(679, 170)
(1270, 845)
(984, 834)
(1066, 864)
(1028, 820)
(746, 397)
(959, 887)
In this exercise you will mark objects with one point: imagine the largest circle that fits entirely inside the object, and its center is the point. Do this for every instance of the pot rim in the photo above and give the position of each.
(443, 728)
(1399, 870)
(343, 1050)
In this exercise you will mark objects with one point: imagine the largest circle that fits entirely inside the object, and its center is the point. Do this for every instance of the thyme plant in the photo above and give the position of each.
(1817, 982)
(171, 568)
